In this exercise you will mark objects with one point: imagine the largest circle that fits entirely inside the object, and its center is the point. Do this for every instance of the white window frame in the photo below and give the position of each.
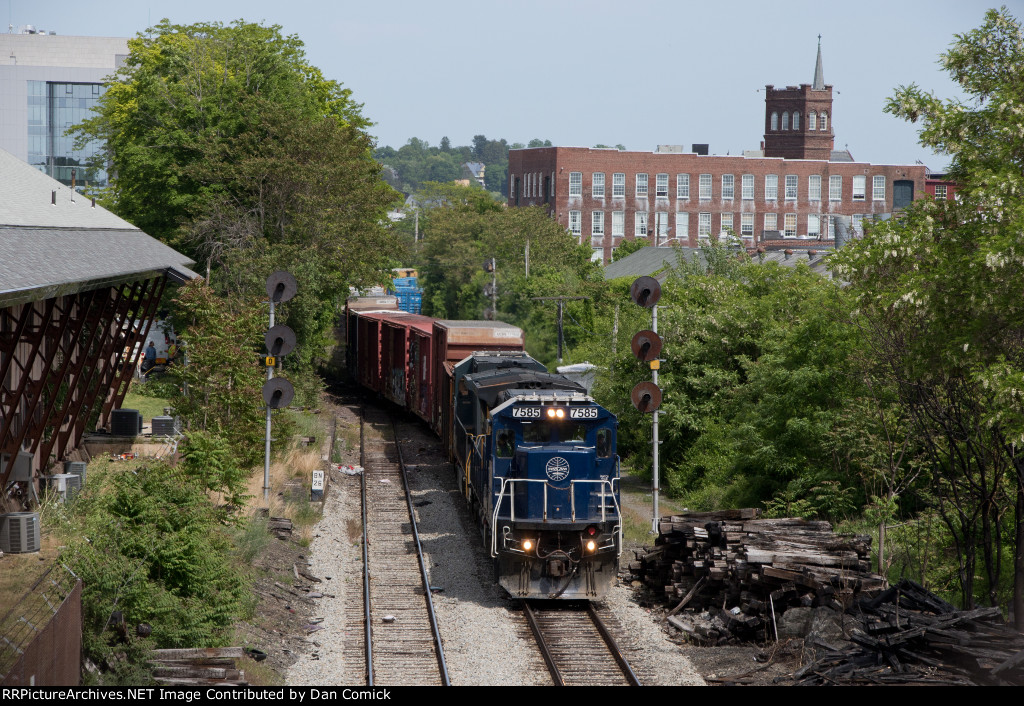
(857, 224)
(813, 225)
(618, 224)
(728, 187)
(640, 228)
(619, 185)
(661, 186)
(823, 121)
(725, 222)
(682, 225)
(943, 194)
(575, 184)
(661, 225)
(703, 226)
(791, 186)
(789, 225)
(682, 186)
(597, 185)
(704, 187)
(775, 121)
(860, 187)
(835, 188)
(814, 187)
(878, 187)
(746, 224)
(812, 121)
(642, 185)
(771, 187)
(796, 119)
(747, 186)
(552, 184)
(785, 120)
(771, 221)
(597, 223)
(575, 223)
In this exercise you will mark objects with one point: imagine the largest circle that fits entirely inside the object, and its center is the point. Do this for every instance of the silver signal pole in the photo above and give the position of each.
(654, 425)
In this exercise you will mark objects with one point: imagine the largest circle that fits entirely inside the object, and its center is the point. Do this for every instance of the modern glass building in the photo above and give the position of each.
(49, 83)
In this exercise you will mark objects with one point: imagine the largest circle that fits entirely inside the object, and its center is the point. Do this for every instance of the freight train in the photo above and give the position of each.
(534, 453)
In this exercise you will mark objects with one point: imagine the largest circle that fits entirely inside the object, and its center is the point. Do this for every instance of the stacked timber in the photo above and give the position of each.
(751, 569)
(212, 666)
(907, 635)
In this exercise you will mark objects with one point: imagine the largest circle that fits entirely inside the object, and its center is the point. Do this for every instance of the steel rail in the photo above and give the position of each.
(368, 647)
(613, 646)
(549, 659)
(445, 681)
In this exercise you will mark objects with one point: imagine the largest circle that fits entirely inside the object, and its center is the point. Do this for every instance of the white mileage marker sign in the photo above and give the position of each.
(318, 480)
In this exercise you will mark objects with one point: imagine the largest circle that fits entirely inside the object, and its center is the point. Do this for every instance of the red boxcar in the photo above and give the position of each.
(396, 329)
(453, 341)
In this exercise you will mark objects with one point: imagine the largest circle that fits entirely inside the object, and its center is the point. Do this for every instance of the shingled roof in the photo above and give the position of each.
(54, 241)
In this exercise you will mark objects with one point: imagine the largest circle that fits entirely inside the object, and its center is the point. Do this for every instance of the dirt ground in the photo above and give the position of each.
(287, 602)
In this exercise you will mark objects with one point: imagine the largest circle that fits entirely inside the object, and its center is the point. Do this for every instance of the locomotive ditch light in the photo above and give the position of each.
(591, 545)
(527, 545)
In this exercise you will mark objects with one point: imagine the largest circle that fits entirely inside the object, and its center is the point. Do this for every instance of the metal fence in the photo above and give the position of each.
(41, 635)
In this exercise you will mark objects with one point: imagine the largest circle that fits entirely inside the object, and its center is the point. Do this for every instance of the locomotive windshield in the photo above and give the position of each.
(553, 432)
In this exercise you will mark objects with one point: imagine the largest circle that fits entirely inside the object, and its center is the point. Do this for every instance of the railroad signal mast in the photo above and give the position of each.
(646, 396)
(280, 341)
(491, 290)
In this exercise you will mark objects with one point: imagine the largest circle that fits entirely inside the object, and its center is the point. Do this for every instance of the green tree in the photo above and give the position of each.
(938, 296)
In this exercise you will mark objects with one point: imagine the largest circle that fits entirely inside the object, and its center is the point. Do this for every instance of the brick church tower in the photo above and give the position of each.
(798, 119)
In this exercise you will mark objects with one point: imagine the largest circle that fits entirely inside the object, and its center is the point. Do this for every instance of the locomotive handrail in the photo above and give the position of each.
(510, 484)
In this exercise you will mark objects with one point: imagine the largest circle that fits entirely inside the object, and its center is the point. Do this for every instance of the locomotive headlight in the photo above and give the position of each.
(560, 413)
(556, 413)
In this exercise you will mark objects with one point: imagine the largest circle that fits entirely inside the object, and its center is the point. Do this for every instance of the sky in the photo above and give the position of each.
(638, 73)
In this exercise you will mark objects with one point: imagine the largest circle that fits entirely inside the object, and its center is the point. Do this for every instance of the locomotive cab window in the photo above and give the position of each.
(571, 433)
(536, 432)
(604, 442)
(504, 443)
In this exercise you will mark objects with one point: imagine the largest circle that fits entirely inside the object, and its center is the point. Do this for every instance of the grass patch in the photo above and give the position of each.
(149, 407)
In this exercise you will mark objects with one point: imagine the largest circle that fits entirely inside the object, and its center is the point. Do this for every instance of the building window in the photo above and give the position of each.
(597, 223)
(682, 186)
(878, 188)
(796, 120)
(785, 120)
(791, 180)
(726, 226)
(661, 225)
(824, 121)
(835, 188)
(618, 184)
(728, 186)
(859, 187)
(640, 224)
(789, 225)
(748, 187)
(704, 187)
(661, 186)
(940, 192)
(552, 184)
(746, 224)
(704, 226)
(597, 185)
(771, 221)
(771, 187)
(575, 223)
(682, 225)
(775, 121)
(813, 223)
(641, 185)
(618, 223)
(812, 121)
(575, 184)
(814, 187)
(858, 224)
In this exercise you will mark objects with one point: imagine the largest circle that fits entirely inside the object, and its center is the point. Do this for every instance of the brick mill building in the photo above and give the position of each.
(782, 194)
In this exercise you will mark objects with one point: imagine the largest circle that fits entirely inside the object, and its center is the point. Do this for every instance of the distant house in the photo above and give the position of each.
(474, 171)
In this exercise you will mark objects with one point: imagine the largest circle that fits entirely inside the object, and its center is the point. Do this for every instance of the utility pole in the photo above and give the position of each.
(560, 301)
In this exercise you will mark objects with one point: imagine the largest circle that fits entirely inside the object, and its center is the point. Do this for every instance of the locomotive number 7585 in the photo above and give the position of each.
(583, 413)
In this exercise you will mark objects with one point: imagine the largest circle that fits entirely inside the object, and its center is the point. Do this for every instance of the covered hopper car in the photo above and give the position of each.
(534, 454)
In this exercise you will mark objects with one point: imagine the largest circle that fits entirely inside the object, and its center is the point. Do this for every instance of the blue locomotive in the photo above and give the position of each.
(537, 462)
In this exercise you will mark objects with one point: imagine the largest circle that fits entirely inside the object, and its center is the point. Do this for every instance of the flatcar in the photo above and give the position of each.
(534, 454)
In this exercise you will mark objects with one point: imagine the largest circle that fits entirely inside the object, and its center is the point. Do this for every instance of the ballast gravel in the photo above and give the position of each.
(486, 641)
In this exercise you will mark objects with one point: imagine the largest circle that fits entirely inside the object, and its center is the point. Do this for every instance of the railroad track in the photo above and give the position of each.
(577, 646)
(402, 643)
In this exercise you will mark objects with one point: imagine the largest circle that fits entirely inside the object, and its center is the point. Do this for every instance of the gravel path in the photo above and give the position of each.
(485, 637)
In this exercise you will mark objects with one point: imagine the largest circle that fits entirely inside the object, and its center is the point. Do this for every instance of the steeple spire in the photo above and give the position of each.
(819, 75)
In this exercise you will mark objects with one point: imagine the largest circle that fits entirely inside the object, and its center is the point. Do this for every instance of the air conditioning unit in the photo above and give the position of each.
(19, 532)
(76, 468)
(64, 485)
(165, 426)
(22, 470)
(125, 422)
